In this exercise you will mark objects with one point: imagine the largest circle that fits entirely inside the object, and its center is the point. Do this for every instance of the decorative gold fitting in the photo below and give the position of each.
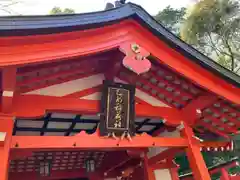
(135, 48)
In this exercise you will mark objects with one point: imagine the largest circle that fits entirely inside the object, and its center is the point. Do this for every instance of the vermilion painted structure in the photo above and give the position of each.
(52, 68)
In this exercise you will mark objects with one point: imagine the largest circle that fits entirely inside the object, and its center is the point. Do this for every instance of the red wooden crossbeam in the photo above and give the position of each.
(72, 105)
(215, 170)
(199, 103)
(59, 174)
(140, 101)
(163, 165)
(84, 92)
(171, 152)
(84, 141)
(167, 154)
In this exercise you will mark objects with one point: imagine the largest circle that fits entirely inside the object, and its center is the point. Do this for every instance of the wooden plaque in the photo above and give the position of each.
(117, 109)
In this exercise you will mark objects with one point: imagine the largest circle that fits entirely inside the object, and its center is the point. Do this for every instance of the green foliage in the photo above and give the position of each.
(213, 27)
(58, 10)
(171, 18)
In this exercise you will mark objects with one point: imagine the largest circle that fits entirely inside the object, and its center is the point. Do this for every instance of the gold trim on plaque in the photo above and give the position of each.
(108, 104)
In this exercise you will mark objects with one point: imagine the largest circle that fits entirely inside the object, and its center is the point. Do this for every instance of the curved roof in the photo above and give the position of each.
(27, 25)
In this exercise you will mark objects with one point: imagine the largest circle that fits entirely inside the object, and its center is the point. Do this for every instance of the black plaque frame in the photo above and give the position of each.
(129, 106)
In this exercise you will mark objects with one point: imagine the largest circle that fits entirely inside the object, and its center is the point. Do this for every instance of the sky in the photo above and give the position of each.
(41, 7)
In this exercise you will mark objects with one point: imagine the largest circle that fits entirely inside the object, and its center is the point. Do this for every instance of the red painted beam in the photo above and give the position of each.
(72, 105)
(81, 173)
(84, 92)
(199, 103)
(83, 141)
(163, 165)
(6, 126)
(196, 161)
(140, 101)
(215, 169)
(167, 154)
(147, 169)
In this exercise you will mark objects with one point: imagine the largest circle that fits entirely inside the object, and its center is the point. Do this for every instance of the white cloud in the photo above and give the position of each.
(40, 7)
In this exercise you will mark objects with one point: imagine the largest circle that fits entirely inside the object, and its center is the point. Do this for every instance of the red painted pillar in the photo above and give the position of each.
(148, 171)
(6, 127)
(225, 175)
(197, 164)
(174, 173)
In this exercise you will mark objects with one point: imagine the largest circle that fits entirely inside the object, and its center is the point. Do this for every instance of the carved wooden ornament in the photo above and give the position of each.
(135, 58)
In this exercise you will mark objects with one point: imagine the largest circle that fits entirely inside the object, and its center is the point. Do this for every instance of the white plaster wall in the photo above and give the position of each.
(156, 150)
(94, 96)
(70, 87)
(166, 133)
(162, 174)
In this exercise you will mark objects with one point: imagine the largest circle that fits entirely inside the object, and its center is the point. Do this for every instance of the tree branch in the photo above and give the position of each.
(231, 54)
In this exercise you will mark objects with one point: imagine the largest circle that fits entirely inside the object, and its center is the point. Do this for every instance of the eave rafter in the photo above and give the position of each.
(58, 73)
(84, 92)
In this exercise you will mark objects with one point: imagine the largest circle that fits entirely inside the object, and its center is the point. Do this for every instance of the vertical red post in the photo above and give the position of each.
(225, 175)
(6, 127)
(8, 88)
(197, 164)
(148, 171)
(174, 173)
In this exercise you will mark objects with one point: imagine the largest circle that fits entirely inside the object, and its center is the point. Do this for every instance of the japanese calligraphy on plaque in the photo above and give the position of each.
(117, 106)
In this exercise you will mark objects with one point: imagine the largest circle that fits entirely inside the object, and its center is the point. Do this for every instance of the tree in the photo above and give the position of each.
(171, 18)
(213, 27)
(58, 10)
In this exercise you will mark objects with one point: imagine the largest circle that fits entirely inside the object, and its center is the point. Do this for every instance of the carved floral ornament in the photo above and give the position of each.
(136, 58)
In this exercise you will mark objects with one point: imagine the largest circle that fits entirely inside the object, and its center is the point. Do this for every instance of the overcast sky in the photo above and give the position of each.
(39, 7)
